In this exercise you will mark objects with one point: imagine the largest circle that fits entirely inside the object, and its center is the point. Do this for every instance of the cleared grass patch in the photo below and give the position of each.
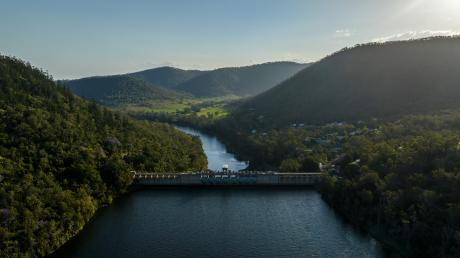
(212, 112)
(203, 107)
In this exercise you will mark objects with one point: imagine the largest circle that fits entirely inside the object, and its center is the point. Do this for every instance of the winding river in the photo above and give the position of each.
(210, 222)
(215, 151)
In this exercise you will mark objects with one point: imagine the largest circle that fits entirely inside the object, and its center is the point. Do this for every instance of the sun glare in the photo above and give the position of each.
(450, 4)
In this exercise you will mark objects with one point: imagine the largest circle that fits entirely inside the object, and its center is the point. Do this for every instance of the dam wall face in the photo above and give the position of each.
(259, 178)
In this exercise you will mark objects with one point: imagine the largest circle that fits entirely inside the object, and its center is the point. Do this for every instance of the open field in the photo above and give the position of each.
(203, 107)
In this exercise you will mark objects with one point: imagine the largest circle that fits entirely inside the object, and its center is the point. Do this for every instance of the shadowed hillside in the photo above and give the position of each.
(240, 81)
(167, 77)
(150, 87)
(373, 80)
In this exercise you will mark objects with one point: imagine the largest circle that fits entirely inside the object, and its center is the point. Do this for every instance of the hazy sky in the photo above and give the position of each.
(80, 38)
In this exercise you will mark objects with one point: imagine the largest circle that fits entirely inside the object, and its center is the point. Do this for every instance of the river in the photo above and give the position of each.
(215, 151)
(210, 222)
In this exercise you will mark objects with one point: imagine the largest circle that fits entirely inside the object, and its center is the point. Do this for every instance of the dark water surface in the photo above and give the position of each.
(243, 222)
(219, 222)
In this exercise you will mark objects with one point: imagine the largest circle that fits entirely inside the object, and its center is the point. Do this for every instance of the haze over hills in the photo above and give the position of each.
(166, 76)
(118, 90)
(240, 81)
(168, 83)
(372, 80)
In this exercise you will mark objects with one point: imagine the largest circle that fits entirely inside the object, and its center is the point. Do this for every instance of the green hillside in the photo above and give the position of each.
(168, 86)
(373, 80)
(166, 77)
(119, 90)
(61, 158)
(240, 81)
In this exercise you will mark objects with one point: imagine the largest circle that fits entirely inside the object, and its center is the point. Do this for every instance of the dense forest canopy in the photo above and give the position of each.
(372, 80)
(61, 158)
(120, 90)
(402, 184)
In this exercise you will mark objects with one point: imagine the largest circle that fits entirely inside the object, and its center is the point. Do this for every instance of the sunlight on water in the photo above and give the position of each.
(215, 151)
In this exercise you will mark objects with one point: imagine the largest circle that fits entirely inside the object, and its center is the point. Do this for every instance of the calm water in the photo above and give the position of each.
(210, 222)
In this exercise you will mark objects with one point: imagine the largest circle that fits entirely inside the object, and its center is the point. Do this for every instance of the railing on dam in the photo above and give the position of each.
(228, 178)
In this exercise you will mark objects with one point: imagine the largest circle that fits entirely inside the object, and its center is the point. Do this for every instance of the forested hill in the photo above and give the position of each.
(372, 80)
(119, 90)
(167, 77)
(61, 158)
(169, 83)
(240, 81)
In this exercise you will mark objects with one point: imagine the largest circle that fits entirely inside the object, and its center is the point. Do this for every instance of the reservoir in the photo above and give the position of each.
(219, 222)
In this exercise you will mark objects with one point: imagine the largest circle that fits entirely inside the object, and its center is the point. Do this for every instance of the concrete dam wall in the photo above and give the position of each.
(216, 178)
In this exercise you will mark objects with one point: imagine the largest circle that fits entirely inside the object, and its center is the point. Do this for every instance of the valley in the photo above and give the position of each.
(380, 121)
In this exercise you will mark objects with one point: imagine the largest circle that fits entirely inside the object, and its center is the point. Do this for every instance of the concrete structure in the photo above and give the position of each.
(228, 178)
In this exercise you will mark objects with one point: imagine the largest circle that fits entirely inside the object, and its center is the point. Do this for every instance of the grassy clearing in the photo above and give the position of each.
(203, 107)
(214, 112)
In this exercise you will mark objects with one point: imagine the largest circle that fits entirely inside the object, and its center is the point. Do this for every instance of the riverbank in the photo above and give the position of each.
(216, 152)
(392, 248)
(213, 150)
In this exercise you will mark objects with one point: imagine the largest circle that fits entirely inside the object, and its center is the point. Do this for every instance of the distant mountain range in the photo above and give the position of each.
(240, 81)
(167, 83)
(167, 77)
(373, 80)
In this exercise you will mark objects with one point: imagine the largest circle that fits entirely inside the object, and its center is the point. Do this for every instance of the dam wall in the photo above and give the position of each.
(215, 178)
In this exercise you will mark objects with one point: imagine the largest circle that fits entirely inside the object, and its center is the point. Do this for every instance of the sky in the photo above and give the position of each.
(74, 39)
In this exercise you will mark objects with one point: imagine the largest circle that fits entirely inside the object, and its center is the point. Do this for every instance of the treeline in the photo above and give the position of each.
(61, 158)
(403, 185)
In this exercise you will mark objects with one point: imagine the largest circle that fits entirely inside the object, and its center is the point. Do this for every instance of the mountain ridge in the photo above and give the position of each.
(119, 90)
(169, 83)
(366, 81)
(166, 76)
(241, 81)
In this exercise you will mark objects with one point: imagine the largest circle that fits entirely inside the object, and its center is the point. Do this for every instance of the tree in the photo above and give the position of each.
(289, 165)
